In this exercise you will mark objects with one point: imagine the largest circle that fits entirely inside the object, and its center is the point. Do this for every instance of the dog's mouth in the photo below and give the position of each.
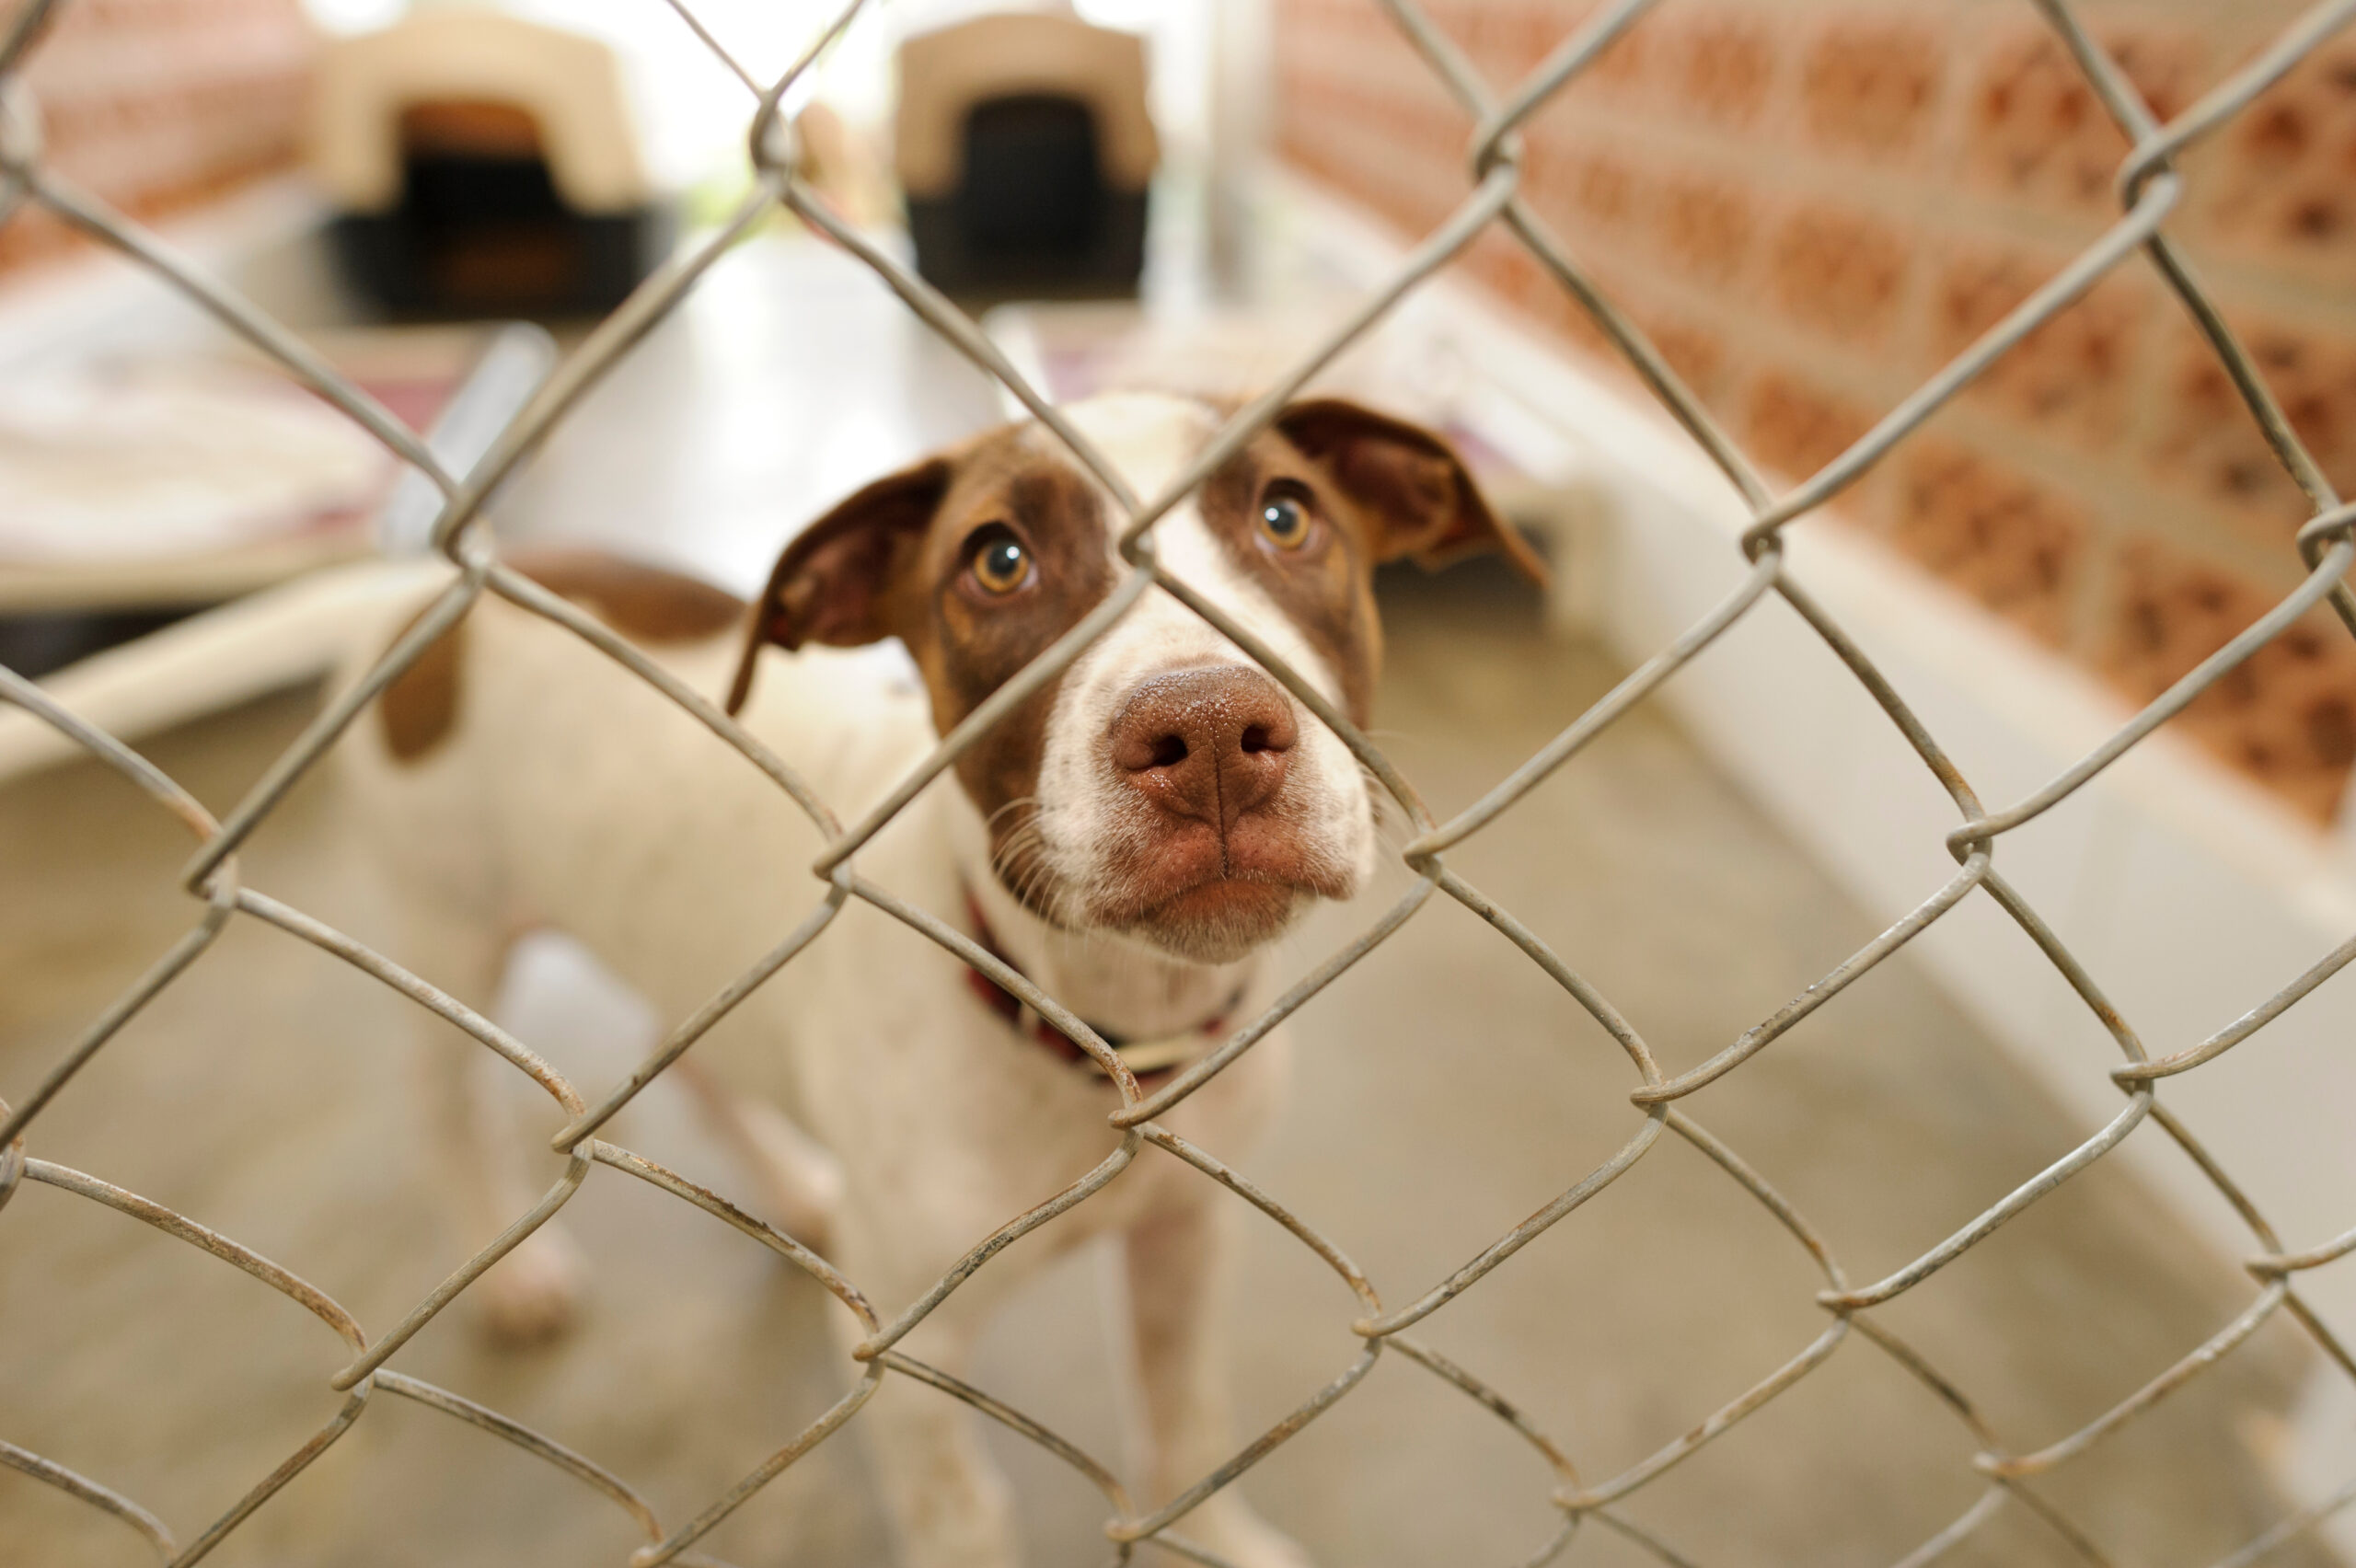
(1187, 898)
(1213, 898)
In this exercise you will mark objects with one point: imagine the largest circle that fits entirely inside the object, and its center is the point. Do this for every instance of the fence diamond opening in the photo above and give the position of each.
(2149, 188)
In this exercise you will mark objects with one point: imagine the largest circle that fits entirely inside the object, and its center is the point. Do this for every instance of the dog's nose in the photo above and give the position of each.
(1206, 744)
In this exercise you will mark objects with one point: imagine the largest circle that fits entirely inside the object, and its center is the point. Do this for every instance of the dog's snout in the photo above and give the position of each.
(1208, 743)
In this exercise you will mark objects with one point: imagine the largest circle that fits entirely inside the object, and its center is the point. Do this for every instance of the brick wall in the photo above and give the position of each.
(156, 104)
(1811, 204)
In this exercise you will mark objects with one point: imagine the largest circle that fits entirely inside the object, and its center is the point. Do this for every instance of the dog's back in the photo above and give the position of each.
(515, 775)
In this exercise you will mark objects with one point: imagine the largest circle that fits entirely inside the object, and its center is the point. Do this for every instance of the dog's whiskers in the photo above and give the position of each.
(1019, 801)
(1023, 865)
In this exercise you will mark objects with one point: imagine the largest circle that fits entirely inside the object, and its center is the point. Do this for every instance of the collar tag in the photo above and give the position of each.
(1155, 1055)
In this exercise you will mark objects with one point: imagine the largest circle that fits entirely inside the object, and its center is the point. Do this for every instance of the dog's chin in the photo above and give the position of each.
(1219, 921)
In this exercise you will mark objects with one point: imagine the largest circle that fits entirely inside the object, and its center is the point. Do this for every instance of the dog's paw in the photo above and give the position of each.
(532, 1294)
(1228, 1527)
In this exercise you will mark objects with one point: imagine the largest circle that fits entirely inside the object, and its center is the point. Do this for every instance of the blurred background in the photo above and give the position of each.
(1809, 204)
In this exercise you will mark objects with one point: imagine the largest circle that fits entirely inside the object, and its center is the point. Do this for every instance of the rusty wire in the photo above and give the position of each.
(2149, 188)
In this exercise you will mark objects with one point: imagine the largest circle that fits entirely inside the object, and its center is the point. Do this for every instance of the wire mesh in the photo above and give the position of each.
(2149, 188)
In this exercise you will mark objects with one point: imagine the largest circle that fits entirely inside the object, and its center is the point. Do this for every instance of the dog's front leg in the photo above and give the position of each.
(948, 1505)
(1177, 1273)
(534, 1293)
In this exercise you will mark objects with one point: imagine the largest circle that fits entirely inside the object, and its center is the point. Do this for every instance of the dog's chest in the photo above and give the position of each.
(908, 1074)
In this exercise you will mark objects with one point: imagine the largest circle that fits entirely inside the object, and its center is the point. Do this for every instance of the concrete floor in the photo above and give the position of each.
(1444, 1091)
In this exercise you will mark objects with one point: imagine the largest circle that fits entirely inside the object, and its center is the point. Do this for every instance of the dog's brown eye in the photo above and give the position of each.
(1284, 518)
(1001, 564)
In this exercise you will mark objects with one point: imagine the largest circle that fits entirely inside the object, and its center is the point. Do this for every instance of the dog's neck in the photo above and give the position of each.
(1111, 981)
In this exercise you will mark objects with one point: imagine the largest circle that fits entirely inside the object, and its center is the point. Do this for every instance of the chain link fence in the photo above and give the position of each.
(2149, 188)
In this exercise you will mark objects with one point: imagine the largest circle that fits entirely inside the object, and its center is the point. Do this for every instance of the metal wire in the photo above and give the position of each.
(2149, 188)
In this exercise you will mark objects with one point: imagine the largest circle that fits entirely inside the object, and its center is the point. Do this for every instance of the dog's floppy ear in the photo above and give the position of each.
(832, 585)
(1408, 481)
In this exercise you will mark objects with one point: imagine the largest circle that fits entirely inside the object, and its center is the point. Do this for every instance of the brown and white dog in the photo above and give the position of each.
(1131, 837)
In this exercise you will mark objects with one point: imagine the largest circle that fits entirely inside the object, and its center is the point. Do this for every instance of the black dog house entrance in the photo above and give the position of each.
(1025, 152)
(485, 166)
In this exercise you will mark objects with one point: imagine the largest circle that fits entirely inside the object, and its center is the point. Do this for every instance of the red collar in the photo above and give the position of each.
(1017, 1014)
